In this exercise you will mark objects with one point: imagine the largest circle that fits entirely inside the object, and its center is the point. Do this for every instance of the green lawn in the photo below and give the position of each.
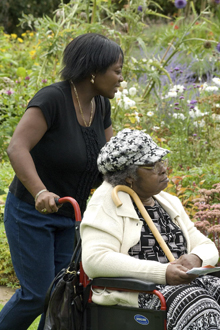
(33, 326)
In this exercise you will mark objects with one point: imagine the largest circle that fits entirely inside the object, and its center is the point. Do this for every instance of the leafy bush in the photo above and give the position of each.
(11, 11)
(6, 175)
(7, 274)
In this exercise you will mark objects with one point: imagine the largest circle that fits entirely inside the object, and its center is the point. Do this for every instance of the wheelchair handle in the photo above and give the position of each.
(145, 215)
(73, 202)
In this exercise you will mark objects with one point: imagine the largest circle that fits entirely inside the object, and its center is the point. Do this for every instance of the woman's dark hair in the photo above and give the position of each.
(88, 54)
(119, 177)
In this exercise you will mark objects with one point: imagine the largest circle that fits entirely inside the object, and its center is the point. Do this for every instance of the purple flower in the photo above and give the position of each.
(27, 78)
(194, 134)
(176, 69)
(218, 47)
(176, 103)
(44, 81)
(217, 1)
(193, 102)
(180, 3)
(140, 8)
(9, 92)
(181, 97)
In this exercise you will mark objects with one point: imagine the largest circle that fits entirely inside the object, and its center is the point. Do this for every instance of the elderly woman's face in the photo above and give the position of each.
(150, 183)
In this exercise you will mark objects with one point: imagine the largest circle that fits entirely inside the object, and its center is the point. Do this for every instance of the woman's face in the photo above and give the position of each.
(150, 183)
(107, 84)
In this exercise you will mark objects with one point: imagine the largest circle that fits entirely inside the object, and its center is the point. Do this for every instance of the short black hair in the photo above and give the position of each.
(88, 54)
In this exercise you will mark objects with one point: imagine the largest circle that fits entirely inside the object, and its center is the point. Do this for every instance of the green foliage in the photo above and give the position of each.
(6, 175)
(7, 274)
(11, 11)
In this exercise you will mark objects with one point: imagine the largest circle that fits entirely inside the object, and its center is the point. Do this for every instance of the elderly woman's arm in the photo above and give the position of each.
(101, 257)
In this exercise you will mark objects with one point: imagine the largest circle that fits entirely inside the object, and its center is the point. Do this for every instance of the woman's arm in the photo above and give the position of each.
(108, 133)
(28, 133)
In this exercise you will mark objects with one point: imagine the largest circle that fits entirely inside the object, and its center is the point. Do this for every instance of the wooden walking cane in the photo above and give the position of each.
(145, 215)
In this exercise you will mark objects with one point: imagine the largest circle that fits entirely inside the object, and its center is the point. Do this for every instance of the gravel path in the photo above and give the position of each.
(5, 294)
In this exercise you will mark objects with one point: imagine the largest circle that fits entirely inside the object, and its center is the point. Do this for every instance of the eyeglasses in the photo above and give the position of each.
(156, 167)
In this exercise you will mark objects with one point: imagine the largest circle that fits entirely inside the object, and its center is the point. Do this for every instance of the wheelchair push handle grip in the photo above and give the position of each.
(73, 202)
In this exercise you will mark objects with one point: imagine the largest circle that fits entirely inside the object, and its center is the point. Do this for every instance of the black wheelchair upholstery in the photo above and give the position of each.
(99, 317)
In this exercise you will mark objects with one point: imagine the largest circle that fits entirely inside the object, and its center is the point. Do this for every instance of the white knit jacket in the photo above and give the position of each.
(109, 232)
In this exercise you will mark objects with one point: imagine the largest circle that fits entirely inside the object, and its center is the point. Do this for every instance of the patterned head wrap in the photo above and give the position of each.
(129, 147)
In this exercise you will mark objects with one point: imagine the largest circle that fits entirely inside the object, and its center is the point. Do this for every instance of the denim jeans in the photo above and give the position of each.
(40, 246)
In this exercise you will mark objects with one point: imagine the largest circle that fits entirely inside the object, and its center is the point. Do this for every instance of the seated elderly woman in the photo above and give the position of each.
(117, 242)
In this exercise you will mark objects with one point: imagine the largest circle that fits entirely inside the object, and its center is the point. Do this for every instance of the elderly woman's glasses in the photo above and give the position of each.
(156, 167)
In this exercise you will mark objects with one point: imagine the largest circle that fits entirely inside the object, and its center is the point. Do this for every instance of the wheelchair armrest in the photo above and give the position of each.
(123, 283)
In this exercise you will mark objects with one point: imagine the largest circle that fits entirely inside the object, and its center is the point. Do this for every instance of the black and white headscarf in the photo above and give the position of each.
(129, 147)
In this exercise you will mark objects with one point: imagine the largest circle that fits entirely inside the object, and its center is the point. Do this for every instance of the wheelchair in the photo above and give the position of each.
(116, 317)
(99, 317)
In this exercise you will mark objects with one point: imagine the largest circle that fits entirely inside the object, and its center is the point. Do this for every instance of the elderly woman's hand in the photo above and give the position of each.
(176, 274)
(189, 261)
(176, 271)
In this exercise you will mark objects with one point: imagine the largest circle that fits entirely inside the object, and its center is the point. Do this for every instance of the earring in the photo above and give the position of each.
(92, 79)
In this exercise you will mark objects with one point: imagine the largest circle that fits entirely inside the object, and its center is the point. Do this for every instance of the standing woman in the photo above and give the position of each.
(54, 153)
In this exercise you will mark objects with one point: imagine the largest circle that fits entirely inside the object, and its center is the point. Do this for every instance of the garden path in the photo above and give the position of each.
(5, 294)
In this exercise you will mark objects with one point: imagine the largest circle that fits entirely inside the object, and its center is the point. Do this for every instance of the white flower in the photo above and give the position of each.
(172, 94)
(179, 116)
(200, 123)
(197, 113)
(178, 88)
(217, 105)
(126, 103)
(137, 117)
(216, 117)
(144, 59)
(118, 95)
(132, 91)
(124, 84)
(162, 123)
(150, 113)
(211, 88)
(216, 81)
(203, 87)
(125, 91)
(155, 128)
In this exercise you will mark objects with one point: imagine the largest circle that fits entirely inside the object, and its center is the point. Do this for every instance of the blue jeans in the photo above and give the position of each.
(40, 246)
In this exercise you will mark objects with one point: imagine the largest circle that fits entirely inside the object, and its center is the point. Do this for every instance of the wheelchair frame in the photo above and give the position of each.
(99, 317)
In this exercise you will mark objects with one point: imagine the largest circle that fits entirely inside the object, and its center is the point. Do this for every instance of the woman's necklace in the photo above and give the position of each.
(80, 108)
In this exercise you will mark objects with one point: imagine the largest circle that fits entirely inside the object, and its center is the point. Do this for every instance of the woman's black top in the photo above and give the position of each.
(66, 156)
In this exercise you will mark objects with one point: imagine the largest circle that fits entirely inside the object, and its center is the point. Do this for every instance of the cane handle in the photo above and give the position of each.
(145, 215)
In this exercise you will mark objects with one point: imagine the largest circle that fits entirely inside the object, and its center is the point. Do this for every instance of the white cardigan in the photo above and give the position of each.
(108, 233)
